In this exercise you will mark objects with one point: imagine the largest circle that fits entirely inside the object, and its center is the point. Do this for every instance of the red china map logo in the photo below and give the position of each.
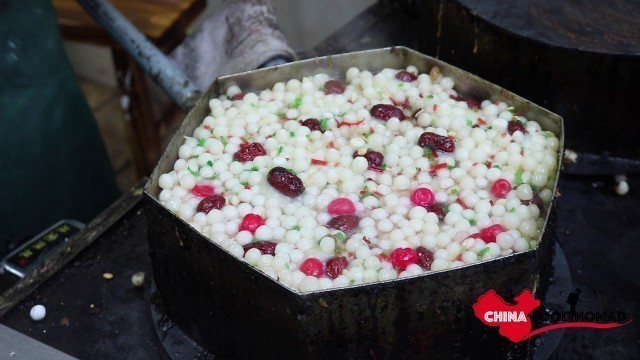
(514, 321)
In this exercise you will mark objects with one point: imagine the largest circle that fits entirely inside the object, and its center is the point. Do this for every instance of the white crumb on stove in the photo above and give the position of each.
(622, 186)
(330, 164)
(38, 312)
(570, 156)
(137, 279)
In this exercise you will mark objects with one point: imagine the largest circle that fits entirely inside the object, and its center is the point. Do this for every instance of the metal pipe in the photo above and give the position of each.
(174, 82)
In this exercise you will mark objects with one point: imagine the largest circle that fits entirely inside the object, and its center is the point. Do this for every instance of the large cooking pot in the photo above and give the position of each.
(235, 311)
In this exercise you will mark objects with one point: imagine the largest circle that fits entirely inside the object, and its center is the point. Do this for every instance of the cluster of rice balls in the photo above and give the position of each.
(323, 183)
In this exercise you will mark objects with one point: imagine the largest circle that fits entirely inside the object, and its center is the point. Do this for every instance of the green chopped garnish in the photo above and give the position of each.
(296, 103)
(428, 152)
(512, 210)
(322, 89)
(483, 252)
(451, 167)
(201, 142)
(469, 122)
(211, 130)
(281, 114)
(287, 266)
(210, 163)
(518, 180)
(244, 183)
(429, 96)
(297, 227)
(454, 191)
(254, 105)
(383, 165)
(292, 171)
(223, 140)
(364, 192)
(511, 110)
(255, 168)
(194, 173)
(342, 114)
(472, 221)
(340, 236)
(280, 149)
(497, 166)
(292, 134)
(323, 124)
(400, 85)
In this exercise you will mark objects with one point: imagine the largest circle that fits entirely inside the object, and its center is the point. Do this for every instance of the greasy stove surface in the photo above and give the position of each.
(90, 317)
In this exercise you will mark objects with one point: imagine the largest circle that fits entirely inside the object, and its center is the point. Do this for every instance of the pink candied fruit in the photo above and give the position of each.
(403, 257)
(489, 234)
(202, 190)
(341, 206)
(422, 197)
(312, 267)
(501, 188)
(251, 222)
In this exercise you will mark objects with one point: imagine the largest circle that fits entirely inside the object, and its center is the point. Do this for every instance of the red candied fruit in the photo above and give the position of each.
(489, 234)
(249, 152)
(438, 210)
(312, 267)
(515, 125)
(406, 76)
(344, 223)
(536, 200)
(501, 188)
(238, 96)
(202, 190)
(472, 103)
(251, 222)
(285, 181)
(211, 202)
(335, 265)
(312, 124)
(265, 247)
(425, 257)
(386, 112)
(436, 142)
(374, 158)
(341, 206)
(333, 87)
(403, 257)
(422, 197)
